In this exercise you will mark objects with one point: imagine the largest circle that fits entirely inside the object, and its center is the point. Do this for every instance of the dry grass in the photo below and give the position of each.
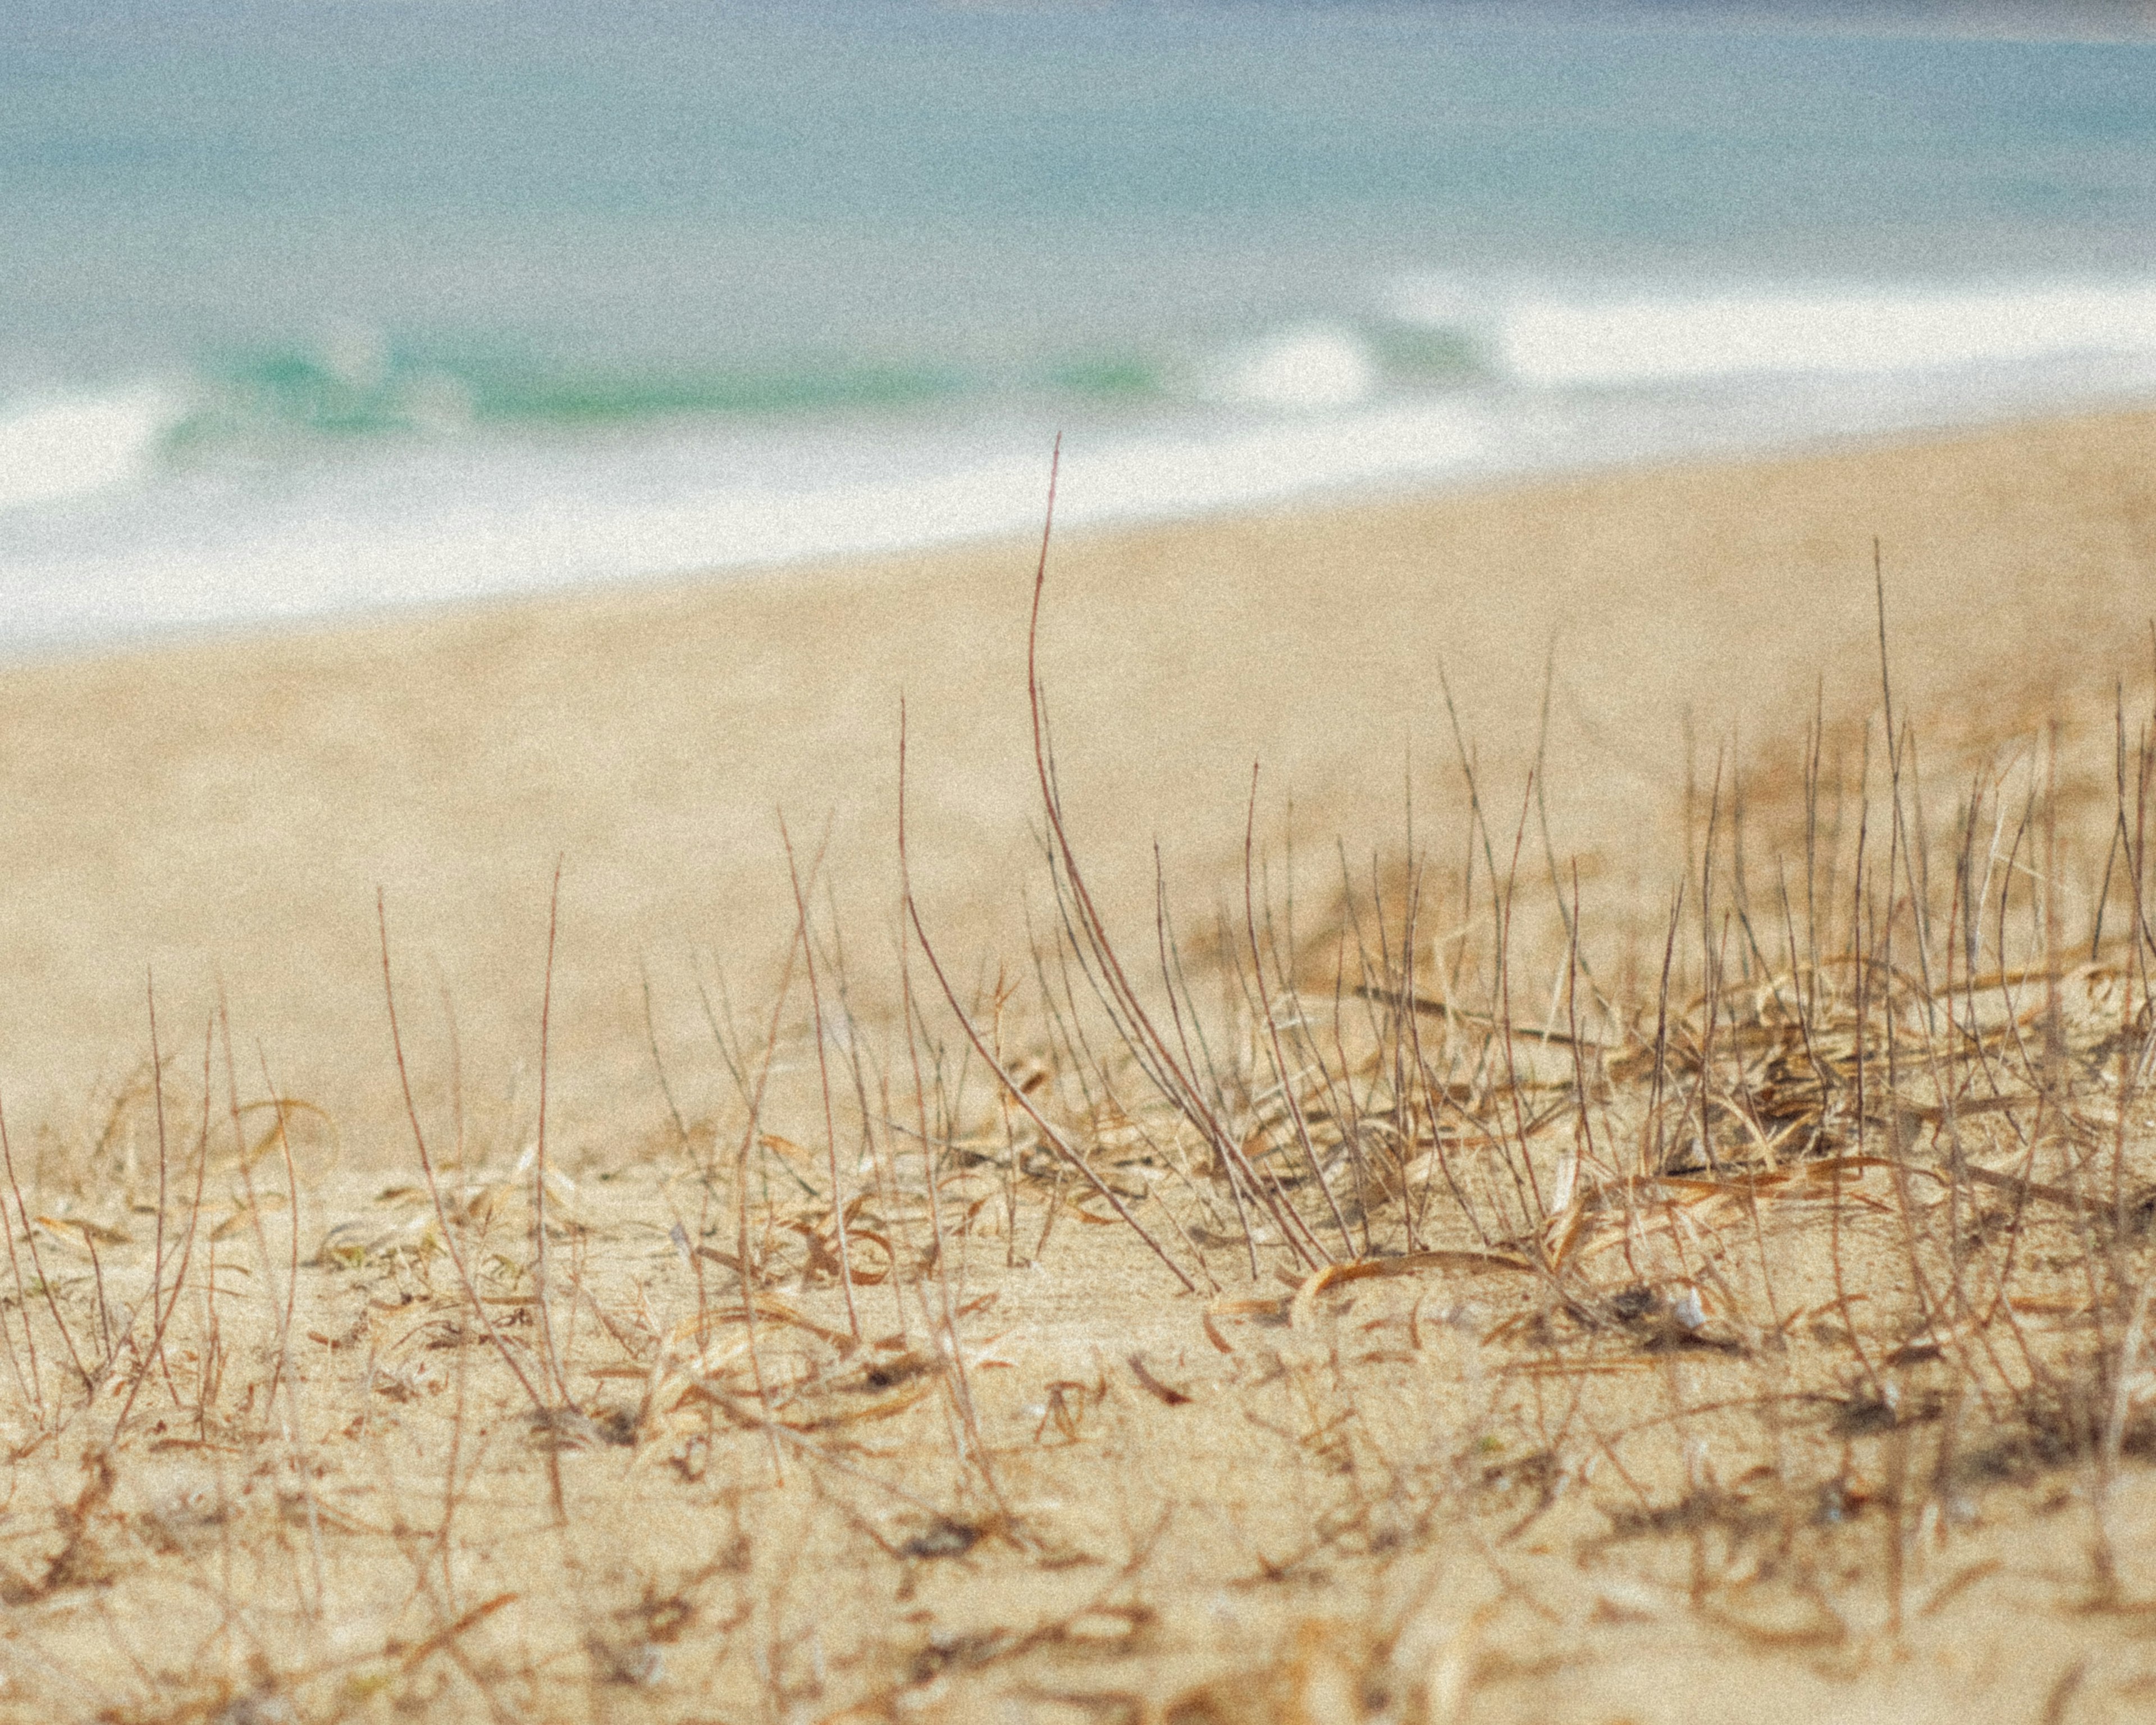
(1412, 1297)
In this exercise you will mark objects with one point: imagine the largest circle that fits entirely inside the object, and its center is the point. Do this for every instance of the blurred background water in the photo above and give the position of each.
(308, 307)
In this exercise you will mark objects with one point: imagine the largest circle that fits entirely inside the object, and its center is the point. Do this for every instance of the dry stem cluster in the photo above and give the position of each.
(1447, 1301)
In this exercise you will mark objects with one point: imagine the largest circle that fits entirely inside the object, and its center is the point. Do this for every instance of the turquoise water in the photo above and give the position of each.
(306, 308)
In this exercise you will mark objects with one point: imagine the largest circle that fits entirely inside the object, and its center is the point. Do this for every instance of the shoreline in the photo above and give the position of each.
(564, 521)
(224, 810)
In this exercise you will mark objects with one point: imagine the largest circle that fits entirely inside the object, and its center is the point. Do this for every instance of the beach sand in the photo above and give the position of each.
(1713, 1366)
(224, 810)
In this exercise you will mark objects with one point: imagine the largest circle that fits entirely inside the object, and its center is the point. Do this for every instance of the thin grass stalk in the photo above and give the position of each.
(1272, 1034)
(1049, 1133)
(823, 1072)
(1142, 1035)
(465, 1280)
(37, 1264)
(540, 1288)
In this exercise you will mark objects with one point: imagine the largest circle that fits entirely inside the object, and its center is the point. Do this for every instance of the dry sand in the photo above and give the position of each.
(1787, 1392)
(224, 811)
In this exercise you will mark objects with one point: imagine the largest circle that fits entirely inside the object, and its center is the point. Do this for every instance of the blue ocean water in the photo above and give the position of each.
(310, 307)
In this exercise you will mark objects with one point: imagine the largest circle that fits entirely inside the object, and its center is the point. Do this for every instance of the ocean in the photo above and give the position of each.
(311, 307)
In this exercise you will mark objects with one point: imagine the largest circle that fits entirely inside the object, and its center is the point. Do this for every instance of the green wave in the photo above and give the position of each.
(268, 399)
(280, 393)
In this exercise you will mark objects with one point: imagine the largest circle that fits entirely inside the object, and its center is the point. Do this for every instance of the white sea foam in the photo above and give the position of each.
(415, 534)
(1583, 342)
(64, 445)
(399, 520)
(1315, 366)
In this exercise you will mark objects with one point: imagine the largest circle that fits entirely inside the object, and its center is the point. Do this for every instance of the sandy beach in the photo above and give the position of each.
(1489, 1057)
(224, 810)
(1737, 1315)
